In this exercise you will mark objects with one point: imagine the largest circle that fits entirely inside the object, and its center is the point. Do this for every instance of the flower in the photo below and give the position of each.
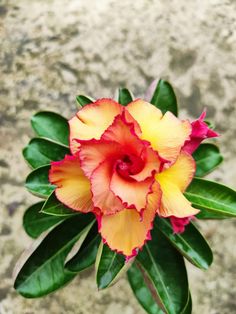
(127, 165)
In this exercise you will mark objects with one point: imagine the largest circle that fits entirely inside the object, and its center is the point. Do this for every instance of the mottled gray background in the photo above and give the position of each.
(50, 51)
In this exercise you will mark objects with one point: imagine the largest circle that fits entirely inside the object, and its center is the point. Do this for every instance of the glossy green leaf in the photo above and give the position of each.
(208, 214)
(191, 244)
(83, 100)
(54, 207)
(212, 196)
(124, 96)
(40, 152)
(109, 265)
(143, 291)
(164, 97)
(37, 182)
(35, 222)
(166, 269)
(51, 125)
(44, 271)
(207, 158)
(86, 256)
(188, 307)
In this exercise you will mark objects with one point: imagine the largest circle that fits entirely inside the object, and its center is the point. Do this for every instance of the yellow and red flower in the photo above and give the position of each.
(127, 165)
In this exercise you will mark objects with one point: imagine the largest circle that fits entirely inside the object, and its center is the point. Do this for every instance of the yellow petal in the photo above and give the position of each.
(174, 203)
(173, 182)
(73, 188)
(180, 173)
(147, 116)
(166, 134)
(92, 120)
(125, 232)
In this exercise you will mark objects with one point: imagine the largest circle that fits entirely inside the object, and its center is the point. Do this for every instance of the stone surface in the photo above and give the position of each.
(51, 50)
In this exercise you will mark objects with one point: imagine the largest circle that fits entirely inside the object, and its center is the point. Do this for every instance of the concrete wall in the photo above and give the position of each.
(51, 50)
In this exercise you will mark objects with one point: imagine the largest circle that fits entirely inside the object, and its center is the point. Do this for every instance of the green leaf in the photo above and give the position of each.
(207, 214)
(212, 196)
(190, 243)
(54, 207)
(40, 152)
(83, 100)
(35, 222)
(164, 98)
(145, 293)
(51, 125)
(44, 270)
(188, 307)
(166, 269)
(142, 290)
(86, 256)
(37, 182)
(207, 158)
(124, 96)
(109, 265)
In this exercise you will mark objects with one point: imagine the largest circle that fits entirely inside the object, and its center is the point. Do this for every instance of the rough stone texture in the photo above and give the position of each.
(51, 50)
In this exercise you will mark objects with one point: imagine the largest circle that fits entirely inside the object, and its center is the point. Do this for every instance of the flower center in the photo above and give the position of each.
(129, 165)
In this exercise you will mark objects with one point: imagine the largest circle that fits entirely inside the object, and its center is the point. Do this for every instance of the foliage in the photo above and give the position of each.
(157, 275)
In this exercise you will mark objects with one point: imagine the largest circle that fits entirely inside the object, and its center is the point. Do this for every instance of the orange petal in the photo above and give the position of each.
(73, 188)
(103, 197)
(133, 194)
(130, 119)
(94, 152)
(124, 232)
(92, 120)
(117, 141)
(152, 163)
(173, 182)
(123, 132)
(113, 143)
(167, 134)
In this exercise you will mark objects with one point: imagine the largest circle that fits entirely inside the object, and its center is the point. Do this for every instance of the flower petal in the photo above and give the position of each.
(178, 224)
(180, 173)
(200, 132)
(174, 203)
(173, 182)
(123, 132)
(117, 141)
(133, 194)
(124, 232)
(166, 134)
(93, 153)
(152, 164)
(73, 188)
(103, 197)
(92, 120)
